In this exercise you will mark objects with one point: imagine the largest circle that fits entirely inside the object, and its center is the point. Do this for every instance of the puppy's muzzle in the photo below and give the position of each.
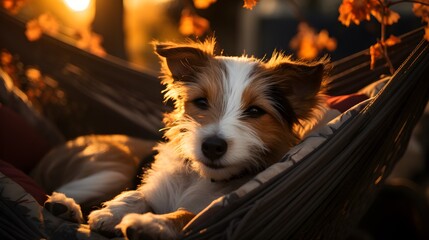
(214, 147)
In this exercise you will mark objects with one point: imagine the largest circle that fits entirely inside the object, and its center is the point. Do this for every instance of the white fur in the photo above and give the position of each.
(73, 212)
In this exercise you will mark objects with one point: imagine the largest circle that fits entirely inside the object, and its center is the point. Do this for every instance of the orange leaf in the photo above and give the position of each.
(375, 51)
(249, 4)
(203, 4)
(324, 41)
(392, 40)
(95, 45)
(5, 58)
(91, 41)
(422, 11)
(192, 24)
(13, 6)
(355, 11)
(390, 16)
(308, 49)
(308, 43)
(186, 26)
(48, 23)
(33, 74)
(45, 23)
(33, 30)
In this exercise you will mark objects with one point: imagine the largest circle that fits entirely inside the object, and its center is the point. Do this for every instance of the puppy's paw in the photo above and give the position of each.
(147, 226)
(63, 207)
(104, 221)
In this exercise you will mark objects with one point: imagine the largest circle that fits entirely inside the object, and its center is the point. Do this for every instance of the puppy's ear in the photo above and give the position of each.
(302, 84)
(182, 61)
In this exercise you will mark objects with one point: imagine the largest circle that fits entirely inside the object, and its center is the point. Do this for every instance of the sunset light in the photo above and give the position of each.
(78, 5)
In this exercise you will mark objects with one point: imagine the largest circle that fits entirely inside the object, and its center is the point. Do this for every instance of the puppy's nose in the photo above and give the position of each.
(214, 147)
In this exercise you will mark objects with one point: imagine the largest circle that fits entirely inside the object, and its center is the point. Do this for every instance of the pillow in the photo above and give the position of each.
(20, 144)
(344, 102)
(24, 181)
(374, 88)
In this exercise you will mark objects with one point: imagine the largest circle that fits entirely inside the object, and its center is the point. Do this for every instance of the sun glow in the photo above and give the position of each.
(78, 5)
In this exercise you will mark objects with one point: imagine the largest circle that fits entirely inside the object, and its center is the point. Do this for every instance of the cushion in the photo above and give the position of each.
(344, 102)
(20, 144)
(24, 181)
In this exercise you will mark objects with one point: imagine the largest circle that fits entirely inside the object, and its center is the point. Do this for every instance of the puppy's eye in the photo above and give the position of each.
(254, 112)
(201, 103)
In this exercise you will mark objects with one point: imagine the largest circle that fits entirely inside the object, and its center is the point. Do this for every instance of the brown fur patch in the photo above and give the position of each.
(210, 87)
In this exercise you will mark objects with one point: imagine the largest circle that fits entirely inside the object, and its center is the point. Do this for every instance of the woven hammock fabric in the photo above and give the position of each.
(327, 192)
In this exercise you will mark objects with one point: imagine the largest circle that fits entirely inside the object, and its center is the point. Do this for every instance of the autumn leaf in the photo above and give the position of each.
(203, 4)
(422, 11)
(5, 58)
(249, 4)
(308, 43)
(390, 17)
(307, 49)
(48, 23)
(13, 6)
(392, 40)
(324, 41)
(91, 42)
(33, 74)
(33, 30)
(95, 45)
(376, 50)
(45, 23)
(355, 11)
(359, 10)
(192, 24)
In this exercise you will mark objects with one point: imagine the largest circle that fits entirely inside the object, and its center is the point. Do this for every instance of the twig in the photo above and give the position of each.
(383, 37)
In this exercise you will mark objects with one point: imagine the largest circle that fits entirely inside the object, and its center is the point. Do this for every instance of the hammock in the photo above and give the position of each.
(321, 195)
(326, 193)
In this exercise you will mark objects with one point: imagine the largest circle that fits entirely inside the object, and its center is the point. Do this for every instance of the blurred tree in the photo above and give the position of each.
(109, 23)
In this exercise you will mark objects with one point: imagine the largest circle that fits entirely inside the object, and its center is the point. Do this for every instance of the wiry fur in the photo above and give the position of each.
(259, 109)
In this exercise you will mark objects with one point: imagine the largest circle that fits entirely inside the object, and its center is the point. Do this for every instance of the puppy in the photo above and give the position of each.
(232, 118)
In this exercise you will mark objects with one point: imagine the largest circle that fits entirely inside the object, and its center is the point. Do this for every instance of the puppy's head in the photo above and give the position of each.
(235, 114)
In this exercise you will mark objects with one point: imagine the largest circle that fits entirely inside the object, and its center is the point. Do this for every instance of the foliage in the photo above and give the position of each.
(41, 90)
(47, 23)
(13, 6)
(308, 43)
(355, 11)
(422, 10)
